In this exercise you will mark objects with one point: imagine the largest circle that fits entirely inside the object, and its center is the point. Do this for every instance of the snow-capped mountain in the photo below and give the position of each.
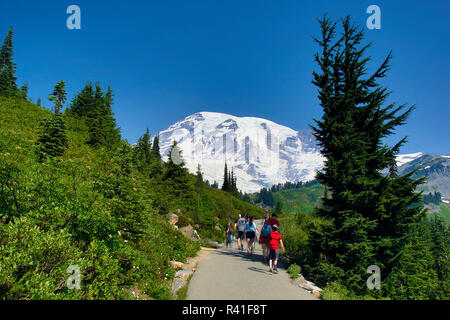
(261, 152)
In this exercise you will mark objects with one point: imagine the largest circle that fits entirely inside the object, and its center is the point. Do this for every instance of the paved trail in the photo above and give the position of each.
(228, 274)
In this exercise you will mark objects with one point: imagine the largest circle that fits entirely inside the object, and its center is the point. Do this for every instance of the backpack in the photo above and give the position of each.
(266, 230)
(241, 224)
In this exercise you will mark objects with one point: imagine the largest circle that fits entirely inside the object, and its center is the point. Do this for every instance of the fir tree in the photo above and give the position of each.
(155, 147)
(53, 140)
(38, 102)
(143, 151)
(226, 179)
(59, 96)
(368, 212)
(24, 90)
(8, 86)
(94, 106)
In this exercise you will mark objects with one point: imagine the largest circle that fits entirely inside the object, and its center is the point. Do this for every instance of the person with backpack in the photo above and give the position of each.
(264, 239)
(274, 240)
(240, 232)
(250, 234)
(228, 233)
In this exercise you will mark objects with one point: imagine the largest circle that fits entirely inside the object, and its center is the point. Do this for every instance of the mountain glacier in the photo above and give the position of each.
(261, 152)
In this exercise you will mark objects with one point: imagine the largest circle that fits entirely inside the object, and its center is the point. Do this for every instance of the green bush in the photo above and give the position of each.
(294, 270)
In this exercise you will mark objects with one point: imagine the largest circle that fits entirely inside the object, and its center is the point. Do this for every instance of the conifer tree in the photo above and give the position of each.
(38, 102)
(8, 86)
(143, 150)
(226, 179)
(59, 96)
(155, 147)
(94, 106)
(52, 141)
(368, 212)
(24, 90)
(176, 176)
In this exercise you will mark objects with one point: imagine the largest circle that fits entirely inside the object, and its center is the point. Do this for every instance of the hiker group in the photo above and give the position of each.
(269, 237)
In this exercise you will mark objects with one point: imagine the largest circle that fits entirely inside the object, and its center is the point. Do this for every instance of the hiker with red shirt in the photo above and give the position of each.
(274, 239)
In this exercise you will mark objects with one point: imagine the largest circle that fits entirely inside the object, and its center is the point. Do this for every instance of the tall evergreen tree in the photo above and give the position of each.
(143, 150)
(8, 86)
(59, 96)
(24, 90)
(226, 179)
(53, 141)
(368, 212)
(155, 147)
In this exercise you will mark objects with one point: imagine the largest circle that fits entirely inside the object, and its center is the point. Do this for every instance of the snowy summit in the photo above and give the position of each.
(261, 152)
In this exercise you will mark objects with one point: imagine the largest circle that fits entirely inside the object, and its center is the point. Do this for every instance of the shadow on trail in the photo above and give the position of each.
(259, 270)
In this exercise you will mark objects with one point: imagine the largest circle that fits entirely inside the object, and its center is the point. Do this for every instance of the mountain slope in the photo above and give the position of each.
(435, 168)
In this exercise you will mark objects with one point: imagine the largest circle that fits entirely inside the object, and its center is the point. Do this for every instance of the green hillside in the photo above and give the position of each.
(303, 199)
(94, 208)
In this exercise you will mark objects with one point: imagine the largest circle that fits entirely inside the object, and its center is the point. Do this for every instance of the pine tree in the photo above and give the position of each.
(59, 95)
(226, 179)
(368, 212)
(53, 141)
(94, 106)
(176, 177)
(143, 151)
(38, 102)
(24, 90)
(8, 86)
(155, 147)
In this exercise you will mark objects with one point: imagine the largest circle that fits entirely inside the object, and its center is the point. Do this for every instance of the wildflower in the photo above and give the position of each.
(88, 167)
(107, 212)
(70, 160)
(45, 164)
(18, 147)
(134, 189)
(7, 154)
(14, 182)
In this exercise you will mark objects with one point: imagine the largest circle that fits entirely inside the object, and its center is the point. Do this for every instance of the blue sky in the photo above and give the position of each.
(168, 59)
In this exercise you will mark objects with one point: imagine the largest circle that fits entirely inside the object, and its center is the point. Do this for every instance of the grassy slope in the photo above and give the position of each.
(76, 187)
(303, 199)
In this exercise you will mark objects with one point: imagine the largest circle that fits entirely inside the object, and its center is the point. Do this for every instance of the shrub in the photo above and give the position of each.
(294, 270)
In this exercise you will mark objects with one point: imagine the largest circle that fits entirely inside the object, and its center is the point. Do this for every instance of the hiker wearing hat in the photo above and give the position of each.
(274, 240)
